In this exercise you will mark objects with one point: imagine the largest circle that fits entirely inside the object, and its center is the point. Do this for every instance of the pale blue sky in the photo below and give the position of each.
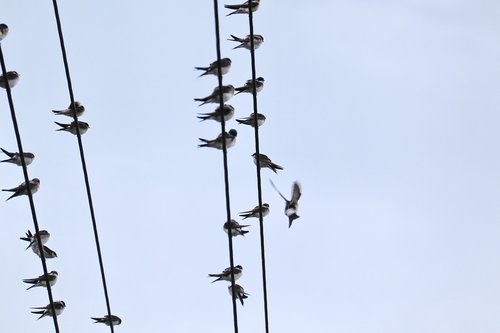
(385, 111)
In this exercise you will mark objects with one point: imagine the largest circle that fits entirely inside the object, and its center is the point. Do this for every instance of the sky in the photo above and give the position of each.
(386, 112)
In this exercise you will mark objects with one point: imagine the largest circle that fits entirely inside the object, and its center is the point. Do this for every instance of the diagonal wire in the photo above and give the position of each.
(82, 157)
(30, 195)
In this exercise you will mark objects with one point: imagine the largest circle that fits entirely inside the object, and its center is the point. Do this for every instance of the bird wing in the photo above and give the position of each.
(278, 191)
(296, 193)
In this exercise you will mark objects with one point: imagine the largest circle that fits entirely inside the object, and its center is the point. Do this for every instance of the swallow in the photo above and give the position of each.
(243, 8)
(79, 109)
(12, 78)
(227, 93)
(41, 281)
(240, 292)
(213, 68)
(248, 86)
(292, 205)
(83, 126)
(236, 228)
(32, 239)
(4, 30)
(227, 112)
(265, 162)
(115, 320)
(255, 212)
(47, 310)
(226, 274)
(245, 42)
(250, 120)
(217, 142)
(16, 157)
(22, 189)
(47, 252)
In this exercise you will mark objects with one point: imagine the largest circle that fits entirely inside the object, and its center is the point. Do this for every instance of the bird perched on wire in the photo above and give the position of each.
(250, 120)
(47, 252)
(47, 310)
(245, 42)
(265, 162)
(227, 93)
(255, 211)
(33, 239)
(217, 142)
(213, 68)
(71, 128)
(4, 30)
(248, 86)
(292, 205)
(243, 8)
(227, 112)
(236, 228)
(22, 189)
(15, 158)
(238, 292)
(73, 108)
(107, 320)
(41, 281)
(12, 79)
(226, 274)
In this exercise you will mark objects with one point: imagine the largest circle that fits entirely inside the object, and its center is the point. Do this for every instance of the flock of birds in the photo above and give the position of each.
(38, 240)
(226, 112)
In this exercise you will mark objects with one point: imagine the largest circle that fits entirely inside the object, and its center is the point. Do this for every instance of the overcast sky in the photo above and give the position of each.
(386, 111)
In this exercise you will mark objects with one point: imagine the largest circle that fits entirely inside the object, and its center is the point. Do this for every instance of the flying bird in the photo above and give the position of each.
(236, 228)
(213, 68)
(78, 108)
(238, 293)
(83, 126)
(245, 42)
(248, 86)
(41, 281)
(15, 158)
(47, 310)
(227, 111)
(12, 79)
(22, 189)
(33, 239)
(4, 30)
(243, 8)
(255, 212)
(250, 120)
(292, 205)
(107, 320)
(226, 274)
(227, 93)
(217, 142)
(265, 162)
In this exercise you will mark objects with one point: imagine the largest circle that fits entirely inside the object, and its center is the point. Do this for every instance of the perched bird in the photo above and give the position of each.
(227, 93)
(255, 212)
(32, 239)
(107, 320)
(245, 42)
(292, 205)
(226, 274)
(83, 126)
(217, 142)
(47, 310)
(16, 157)
(77, 106)
(227, 111)
(4, 30)
(213, 68)
(248, 86)
(236, 228)
(244, 7)
(239, 292)
(41, 281)
(47, 252)
(12, 78)
(265, 162)
(22, 189)
(250, 120)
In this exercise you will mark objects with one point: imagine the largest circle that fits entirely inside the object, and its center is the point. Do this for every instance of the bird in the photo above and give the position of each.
(250, 120)
(33, 239)
(213, 68)
(107, 320)
(4, 30)
(41, 281)
(244, 7)
(236, 228)
(78, 108)
(214, 97)
(217, 142)
(83, 126)
(255, 212)
(47, 310)
(226, 274)
(292, 205)
(15, 158)
(22, 189)
(47, 252)
(227, 112)
(239, 292)
(265, 162)
(12, 79)
(248, 86)
(246, 42)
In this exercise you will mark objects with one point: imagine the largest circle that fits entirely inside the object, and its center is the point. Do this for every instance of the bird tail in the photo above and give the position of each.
(203, 116)
(7, 153)
(236, 39)
(97, 320)
(28, 237)
(202, 68)
(63, 126)
(291, 218)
